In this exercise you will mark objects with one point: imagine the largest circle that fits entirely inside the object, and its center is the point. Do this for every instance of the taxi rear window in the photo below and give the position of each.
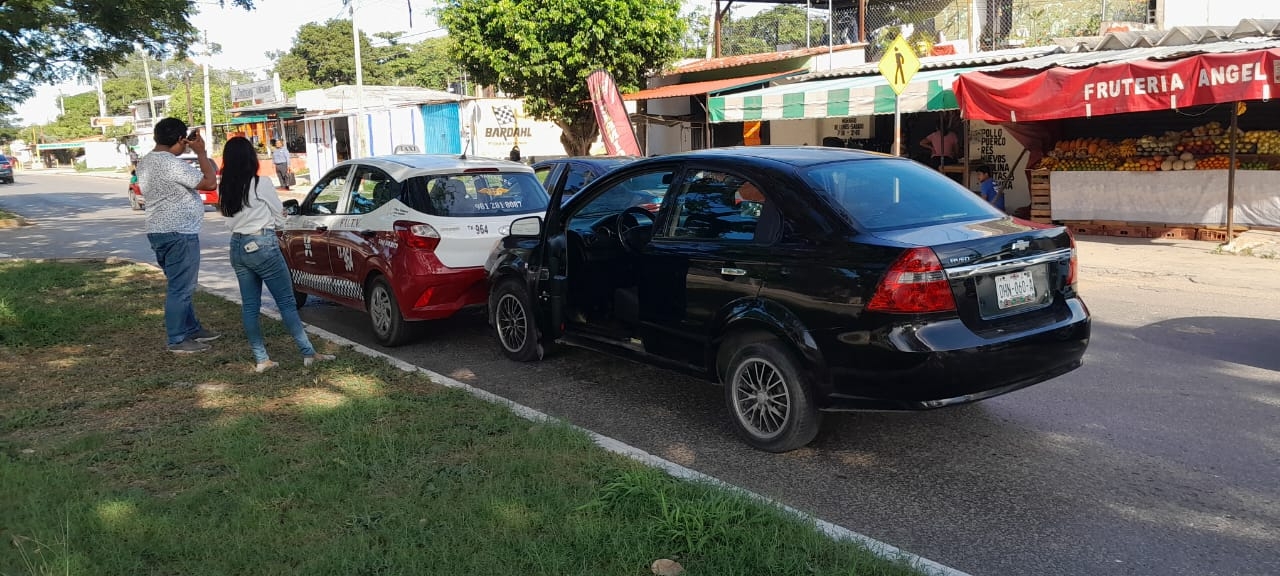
(475, 194)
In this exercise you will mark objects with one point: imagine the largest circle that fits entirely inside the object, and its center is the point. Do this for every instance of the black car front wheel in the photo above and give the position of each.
(513, 320)
(771, 405)
(389, 326)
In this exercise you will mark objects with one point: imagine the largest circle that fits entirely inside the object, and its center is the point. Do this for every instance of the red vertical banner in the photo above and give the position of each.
(611, 115)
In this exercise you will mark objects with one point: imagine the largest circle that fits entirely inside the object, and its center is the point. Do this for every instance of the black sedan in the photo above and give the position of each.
(569, 175)
(805, 279)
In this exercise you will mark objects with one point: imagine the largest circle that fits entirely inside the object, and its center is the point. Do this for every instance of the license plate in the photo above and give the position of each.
(1015, 289)
(204, 197)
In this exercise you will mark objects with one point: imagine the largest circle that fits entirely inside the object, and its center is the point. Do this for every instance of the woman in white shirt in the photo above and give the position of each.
(255, 213)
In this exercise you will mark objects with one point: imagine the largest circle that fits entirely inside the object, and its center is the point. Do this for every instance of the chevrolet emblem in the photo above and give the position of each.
(1021, 245)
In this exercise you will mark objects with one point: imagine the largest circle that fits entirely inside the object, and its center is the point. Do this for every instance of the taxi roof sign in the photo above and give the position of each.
(899, 64)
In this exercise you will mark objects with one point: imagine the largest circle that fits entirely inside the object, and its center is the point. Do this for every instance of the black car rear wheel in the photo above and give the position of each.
(770, 403)
(513, 320)
(389, 326)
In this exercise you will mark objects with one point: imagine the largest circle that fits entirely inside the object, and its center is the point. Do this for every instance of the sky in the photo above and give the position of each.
(246, 37)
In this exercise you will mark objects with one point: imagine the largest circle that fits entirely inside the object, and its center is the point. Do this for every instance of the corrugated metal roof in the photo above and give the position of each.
(939, 62)
(1087, 59)
(695, 88)
(748, 59)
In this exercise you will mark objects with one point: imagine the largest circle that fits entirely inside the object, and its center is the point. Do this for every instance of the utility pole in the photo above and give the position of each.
(360, 150)
(151, 98)
(102, 98)
(208, 108)
(191, 115)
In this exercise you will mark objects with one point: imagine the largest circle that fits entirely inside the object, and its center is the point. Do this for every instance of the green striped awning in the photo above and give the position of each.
(837, 98)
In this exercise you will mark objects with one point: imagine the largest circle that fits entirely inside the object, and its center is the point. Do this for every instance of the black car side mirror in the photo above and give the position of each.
(527, 227)
(291, 207)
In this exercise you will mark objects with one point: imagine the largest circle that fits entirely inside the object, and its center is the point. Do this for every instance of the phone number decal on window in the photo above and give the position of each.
(499, 205)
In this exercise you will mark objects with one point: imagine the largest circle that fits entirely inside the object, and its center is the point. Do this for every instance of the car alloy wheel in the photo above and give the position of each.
(760, 398)
(766, 392)
(512, 323)
(510, 316)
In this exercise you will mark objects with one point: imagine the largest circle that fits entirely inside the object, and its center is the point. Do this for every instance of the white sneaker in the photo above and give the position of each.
(309, 360)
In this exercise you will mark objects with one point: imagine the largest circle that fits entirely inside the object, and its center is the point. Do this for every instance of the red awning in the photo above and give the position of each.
(1118, 87)
(695, 88)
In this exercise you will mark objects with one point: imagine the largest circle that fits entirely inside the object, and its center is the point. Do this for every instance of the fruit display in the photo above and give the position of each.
(1201, 148)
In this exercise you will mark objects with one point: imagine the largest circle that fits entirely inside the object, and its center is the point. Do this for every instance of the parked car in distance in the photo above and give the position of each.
(568, 175)
(6, 169)
(804, 279)
(404, 237)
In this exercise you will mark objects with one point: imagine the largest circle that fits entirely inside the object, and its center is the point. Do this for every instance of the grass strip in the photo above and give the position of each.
(117, 457)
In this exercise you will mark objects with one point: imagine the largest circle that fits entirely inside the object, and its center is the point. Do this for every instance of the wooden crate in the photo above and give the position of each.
(1039, 179)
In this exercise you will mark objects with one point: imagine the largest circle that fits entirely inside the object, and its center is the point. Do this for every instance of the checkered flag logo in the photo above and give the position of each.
(505, 115)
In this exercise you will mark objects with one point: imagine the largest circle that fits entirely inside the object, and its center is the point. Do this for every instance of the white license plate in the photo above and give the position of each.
(204, 197)
(1015, 289)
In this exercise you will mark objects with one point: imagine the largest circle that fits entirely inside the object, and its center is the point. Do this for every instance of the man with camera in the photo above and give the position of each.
(174, 213)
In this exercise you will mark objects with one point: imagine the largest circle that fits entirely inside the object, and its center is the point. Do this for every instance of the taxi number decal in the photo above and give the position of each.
(478, 229)
(499, 204)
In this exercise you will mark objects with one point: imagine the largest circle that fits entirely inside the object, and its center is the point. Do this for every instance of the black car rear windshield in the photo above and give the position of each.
(892, 194)
(476, 194)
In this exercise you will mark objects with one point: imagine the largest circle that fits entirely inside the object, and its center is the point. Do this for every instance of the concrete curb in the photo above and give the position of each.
(834, 531)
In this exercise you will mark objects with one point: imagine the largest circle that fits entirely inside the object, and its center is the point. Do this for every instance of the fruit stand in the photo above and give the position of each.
(1166, 182)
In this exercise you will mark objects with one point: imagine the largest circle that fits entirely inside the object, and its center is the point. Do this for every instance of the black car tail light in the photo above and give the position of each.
(417, 235)
(914, 284)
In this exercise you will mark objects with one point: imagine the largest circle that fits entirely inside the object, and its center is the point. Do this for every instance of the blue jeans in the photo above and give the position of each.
(265, 266)
(179, 257)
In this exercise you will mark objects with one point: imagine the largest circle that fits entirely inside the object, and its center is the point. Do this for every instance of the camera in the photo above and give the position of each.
(194, 133)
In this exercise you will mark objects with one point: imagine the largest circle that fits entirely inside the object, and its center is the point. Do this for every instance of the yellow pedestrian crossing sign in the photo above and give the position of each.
(899, 64)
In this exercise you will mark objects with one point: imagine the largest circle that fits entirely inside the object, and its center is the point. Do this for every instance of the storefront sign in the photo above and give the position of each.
(500, 124)
(1133, 86)
(992, 145)
(109, 121)
(263, 90)
(851, 128)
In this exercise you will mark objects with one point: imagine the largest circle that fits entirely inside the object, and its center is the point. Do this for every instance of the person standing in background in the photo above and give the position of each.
(990, 191)
(280, 157)
(943, 145)
(174, 214)
(255, 214)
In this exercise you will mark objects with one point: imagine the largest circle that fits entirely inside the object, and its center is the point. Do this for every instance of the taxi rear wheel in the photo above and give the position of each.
(389, 326)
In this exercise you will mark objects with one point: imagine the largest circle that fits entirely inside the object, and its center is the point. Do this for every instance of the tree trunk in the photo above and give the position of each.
(578, 135)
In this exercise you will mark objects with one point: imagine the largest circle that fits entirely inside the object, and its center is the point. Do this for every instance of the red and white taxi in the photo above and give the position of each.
(405, 237)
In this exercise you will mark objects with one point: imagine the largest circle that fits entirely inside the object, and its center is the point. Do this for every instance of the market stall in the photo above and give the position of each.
(1147, 178)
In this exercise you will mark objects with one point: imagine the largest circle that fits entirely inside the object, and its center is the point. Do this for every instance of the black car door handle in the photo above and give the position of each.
(733, 272)
(368, 233)
(322, 228)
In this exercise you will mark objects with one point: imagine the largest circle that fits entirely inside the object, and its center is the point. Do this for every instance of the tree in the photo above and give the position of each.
(50, 40)
(765, 31)
(697, 33)
(544, 53)
(322, 55)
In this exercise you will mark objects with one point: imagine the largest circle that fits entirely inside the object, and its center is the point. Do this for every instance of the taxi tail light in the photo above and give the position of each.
(914, 284)
(417, 235)
(425, 298)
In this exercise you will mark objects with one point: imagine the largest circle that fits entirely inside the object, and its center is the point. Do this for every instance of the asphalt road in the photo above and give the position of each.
(1160, 456)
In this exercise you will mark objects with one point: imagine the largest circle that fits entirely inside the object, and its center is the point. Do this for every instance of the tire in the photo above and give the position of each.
(300, 298)
(513, 321)
(389, 326)
(767, 367)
